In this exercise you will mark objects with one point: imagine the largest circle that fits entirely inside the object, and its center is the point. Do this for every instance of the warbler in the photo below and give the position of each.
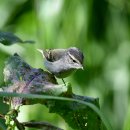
(62, 62)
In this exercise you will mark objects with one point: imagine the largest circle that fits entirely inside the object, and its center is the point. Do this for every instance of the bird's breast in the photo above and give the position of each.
(60, 70)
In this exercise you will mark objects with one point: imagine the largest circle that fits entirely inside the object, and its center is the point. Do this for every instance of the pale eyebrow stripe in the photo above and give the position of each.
(72, 57)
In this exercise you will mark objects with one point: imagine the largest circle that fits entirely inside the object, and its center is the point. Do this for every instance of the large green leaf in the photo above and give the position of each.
(81, 113)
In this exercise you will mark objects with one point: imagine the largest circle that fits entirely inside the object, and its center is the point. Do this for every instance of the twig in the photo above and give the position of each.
(41, 125)
(19, 125)
(2, 116)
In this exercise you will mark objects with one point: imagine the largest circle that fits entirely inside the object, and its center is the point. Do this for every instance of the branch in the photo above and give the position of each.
(40, 125)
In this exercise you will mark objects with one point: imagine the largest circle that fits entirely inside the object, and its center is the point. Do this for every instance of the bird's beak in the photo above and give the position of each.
(82, 68)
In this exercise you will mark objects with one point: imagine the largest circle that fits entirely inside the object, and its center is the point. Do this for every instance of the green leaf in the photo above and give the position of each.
(42, 97)
(8, 38)
(79, 112)
(2, 126)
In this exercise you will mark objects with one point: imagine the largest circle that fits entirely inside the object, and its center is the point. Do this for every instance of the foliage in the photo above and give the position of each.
(22, 78)
(100, 29)
(8, 38)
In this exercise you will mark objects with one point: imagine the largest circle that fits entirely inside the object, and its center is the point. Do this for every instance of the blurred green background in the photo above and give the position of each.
(100, 28)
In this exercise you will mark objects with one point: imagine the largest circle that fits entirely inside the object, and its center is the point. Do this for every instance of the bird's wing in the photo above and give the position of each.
(54, 54)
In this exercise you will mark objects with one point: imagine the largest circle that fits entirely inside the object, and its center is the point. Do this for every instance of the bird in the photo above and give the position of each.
(62, 62)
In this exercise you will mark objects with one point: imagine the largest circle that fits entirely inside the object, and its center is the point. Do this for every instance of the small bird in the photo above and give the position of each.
(62, 62)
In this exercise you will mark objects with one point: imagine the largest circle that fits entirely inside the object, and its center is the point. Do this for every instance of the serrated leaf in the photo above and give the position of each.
(8, 38)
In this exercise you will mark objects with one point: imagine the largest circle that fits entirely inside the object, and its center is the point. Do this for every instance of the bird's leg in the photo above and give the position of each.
(64, 82)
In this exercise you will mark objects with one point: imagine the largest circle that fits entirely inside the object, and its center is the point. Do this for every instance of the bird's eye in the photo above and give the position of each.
(74, 61)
